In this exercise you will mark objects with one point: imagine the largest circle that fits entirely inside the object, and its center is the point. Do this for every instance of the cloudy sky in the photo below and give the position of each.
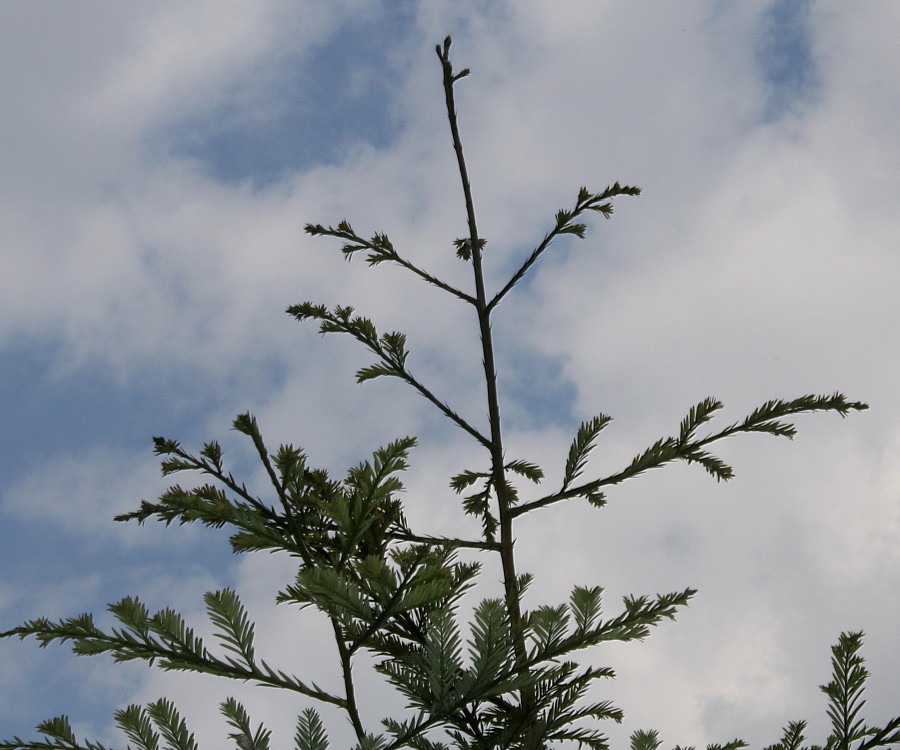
(159, 162)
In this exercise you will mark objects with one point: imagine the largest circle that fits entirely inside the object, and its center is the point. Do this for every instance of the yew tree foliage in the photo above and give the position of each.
(509, 678)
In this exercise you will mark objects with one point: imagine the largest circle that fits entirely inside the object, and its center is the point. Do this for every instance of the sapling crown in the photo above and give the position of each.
(508, 678)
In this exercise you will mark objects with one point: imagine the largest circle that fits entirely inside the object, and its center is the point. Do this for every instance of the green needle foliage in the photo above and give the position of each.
(509, 678)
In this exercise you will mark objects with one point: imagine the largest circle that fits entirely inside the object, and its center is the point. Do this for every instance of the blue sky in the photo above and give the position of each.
(159, 164)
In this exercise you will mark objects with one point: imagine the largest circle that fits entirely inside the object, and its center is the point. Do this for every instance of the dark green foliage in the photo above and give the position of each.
(136, 723)
(244, 735)
(59, 734)
(644, 740)
(582, 446)
(464, 248)
(310, 732)
(506, 679)
(845, 700)
(171, 725)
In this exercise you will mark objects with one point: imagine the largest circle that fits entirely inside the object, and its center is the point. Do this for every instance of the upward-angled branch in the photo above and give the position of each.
(587, 201)
(209, 463)
(246, 423)
(381, 249)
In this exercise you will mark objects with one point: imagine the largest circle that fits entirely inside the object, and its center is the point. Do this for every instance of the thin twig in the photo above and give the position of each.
(465, 543)
(445, 409)
(436, 281)
(524, 268)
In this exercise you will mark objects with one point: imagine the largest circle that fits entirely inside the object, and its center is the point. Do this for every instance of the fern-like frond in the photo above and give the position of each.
(171, 726)
(466, 479)
(235, 629)
(310, 734)
(244, 736)
(845, 691)
(490, 645)
(582, 446)
(688, 448)
(526, 469)
(59, 732)
(792, 738)
(442, 657)
(135, 722)
(644, 739)
(584, 605)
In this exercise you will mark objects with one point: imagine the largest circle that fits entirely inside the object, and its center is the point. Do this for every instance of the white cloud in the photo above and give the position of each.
(81, 493)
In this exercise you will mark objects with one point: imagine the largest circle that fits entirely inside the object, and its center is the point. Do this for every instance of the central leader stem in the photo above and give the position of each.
(507, 542)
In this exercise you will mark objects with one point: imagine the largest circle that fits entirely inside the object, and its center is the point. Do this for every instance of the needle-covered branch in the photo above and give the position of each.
(684, 447)
(165, 638)
(551, 631)
(59, 734)
(158, 724)
(390, 347)
(380, 249)
(208, 462)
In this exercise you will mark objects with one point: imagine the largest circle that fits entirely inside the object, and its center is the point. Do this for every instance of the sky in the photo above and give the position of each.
(158, 163)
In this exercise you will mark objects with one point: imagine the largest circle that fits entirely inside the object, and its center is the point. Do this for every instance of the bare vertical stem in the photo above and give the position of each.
(507, 542)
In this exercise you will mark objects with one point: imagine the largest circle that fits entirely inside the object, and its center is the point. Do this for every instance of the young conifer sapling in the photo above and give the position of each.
(506, 679)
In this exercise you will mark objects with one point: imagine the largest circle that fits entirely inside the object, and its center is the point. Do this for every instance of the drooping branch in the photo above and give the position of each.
(162, 638)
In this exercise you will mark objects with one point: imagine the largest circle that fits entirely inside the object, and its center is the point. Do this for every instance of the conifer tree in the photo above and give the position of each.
(509, 678)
